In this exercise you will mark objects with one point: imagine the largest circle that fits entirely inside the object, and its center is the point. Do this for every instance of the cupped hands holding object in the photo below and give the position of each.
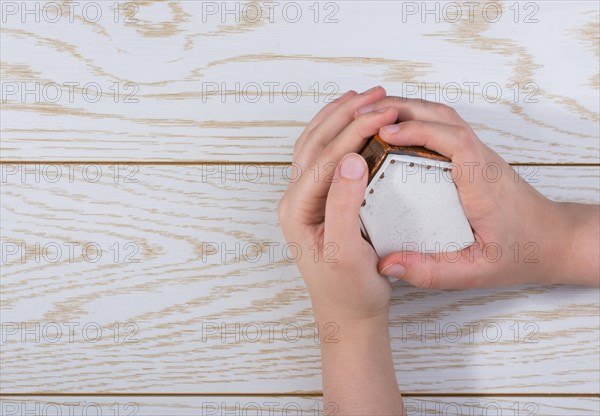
(320, 214)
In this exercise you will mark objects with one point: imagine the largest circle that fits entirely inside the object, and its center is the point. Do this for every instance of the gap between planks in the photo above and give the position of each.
(289, 394)
(227, 162)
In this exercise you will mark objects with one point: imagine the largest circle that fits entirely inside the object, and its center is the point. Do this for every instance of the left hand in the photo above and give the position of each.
(321, 214)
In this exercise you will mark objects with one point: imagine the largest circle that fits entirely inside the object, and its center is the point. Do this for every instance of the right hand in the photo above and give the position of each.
(521, 236)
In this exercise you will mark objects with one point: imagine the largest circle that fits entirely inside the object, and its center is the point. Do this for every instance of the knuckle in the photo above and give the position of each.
(364, 128)
(412, 127)
(391, 101)
(465, 137)
(296, 152)
(282, 208)
(399, 102)
(297, 145)
(394, 101)
(447, 111)
(311, 136)
(427, 281)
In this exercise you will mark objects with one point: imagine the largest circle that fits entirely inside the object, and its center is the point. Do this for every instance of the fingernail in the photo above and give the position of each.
(394, 270)
(365, 109)
(370, 90)
(353, 167)
(391, 129)
(382, 110)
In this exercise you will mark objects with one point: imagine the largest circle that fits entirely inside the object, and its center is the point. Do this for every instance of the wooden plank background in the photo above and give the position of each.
(545, 66)
(141, 254)
(293, 405)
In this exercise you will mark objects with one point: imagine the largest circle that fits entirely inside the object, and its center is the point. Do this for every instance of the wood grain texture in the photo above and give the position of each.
(293, 405)
(157, 65)
(190, 319)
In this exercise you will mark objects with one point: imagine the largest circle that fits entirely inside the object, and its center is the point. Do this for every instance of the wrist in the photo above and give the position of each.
(351, 327)
(573, 240)
(555, 241)
(358, 366)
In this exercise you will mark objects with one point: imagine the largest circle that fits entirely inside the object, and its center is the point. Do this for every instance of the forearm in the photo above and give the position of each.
(358, 370)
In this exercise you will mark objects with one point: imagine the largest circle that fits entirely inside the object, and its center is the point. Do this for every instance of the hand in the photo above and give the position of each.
(320, 213)
(521, 236)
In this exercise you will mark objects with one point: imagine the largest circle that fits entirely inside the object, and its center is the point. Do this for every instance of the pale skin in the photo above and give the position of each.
(352, 292)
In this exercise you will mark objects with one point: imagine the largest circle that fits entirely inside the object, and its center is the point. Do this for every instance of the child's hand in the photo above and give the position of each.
(319, 213)
(521, 236)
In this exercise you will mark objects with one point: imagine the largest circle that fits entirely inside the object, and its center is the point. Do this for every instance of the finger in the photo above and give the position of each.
(454, 270)
(319, 117)
(314, 183)
(414, 109)
(345, 196)
(458, 143)
(334, 124)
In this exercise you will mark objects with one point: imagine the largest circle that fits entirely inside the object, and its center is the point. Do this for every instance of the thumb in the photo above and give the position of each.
(449, 270)
(347, 191)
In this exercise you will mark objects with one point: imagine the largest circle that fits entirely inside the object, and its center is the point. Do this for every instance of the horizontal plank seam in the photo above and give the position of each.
(227, 162)
(292, 394)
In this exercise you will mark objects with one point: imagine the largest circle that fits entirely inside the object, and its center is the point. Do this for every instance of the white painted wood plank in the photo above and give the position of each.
(179, 52)
(291, 405)
(191, 320)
